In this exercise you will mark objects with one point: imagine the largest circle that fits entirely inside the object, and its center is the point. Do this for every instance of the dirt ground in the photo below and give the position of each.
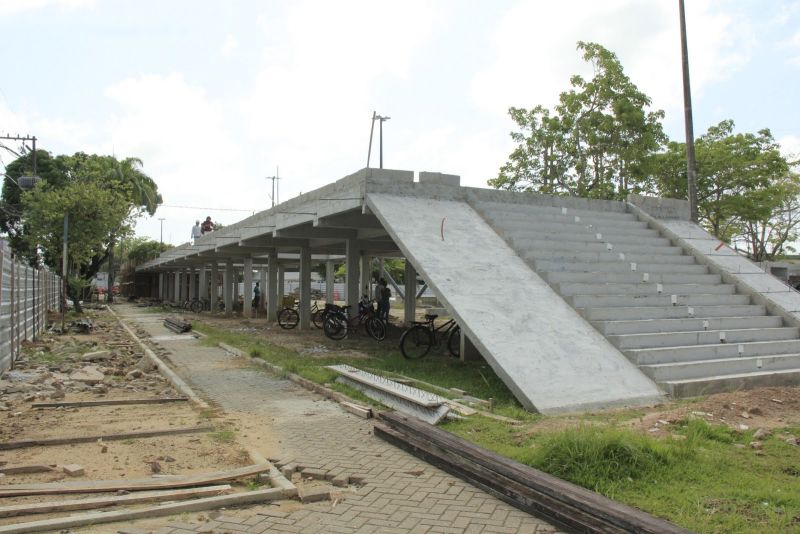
(111, 366)
(54, 369)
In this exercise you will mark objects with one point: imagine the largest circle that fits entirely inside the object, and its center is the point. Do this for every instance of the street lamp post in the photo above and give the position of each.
(161, 239)
(382, 119)
(691, 165)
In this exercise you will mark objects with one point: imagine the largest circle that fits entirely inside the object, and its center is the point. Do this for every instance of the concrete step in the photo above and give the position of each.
(608, 301)
(649, 326)
(557, 277)
(540, 225)
(727, 366)
(551, 265)
(733, 382)
(567, 289)
(525, 238)
(693, 353)
(701, 337)
(672, 312)
(600, 257)
(599, 246)
(529, 209)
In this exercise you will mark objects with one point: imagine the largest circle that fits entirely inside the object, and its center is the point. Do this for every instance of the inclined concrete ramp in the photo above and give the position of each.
(549, 357)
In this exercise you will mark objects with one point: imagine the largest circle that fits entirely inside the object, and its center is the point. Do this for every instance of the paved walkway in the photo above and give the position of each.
(398, 493)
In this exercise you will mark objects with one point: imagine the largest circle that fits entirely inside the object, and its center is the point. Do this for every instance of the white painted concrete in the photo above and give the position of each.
(547, 354)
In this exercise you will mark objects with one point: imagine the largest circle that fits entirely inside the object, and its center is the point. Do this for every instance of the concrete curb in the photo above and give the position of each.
(168, 373)
(276, 479)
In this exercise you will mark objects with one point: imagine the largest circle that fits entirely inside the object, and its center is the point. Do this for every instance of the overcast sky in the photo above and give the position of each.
(213, 96)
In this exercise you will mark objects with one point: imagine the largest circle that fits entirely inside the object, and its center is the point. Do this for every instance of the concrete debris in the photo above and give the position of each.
(88, 375)
(134, 374)
(73, 470)
(761, 433)
(757, 445)
(97, 356)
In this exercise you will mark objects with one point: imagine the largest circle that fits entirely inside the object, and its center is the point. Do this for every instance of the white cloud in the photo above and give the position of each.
(187, 148)
(793, 45)
(790, 146)
(13, 7)
(315, 90)
(228, 46)
(535, 49)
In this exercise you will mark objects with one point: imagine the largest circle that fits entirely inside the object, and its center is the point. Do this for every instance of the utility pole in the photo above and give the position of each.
(274, 179)
(161, 239)
(382, 119)
(23, 138)
(691, 165)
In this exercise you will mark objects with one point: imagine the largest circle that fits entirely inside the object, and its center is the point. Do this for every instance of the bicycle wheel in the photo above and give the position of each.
(335, 326)
(375, 328)
(197, 306)
(317, 318)
(288, 318)
(416, 342)
(454, 342)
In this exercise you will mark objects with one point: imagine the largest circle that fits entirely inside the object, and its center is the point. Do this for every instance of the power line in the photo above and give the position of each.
(203, 208)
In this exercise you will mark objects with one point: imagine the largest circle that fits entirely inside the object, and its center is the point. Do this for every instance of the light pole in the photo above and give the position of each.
(382, 119)
(161, 239)
(691, 165)
(274, 179)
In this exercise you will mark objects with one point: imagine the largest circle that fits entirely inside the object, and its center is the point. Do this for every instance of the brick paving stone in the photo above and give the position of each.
(392, 485)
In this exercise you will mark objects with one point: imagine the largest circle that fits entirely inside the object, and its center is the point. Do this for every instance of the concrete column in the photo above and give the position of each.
(410, 302)
(235, 286)
(272, 287)
(305, 287)
(352, 274)
(281, 288)
(262, 278)
(227, 287)
(365, 277)
(468, 351)
(161, 288)
(329, 281)
(247, 308)
(176, 291)
(192, 283)
(202, 283)
(214, 289)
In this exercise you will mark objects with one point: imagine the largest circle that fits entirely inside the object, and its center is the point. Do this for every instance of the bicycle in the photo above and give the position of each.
(417, 340)
(289, 317)
(204, 304)
(338, 324)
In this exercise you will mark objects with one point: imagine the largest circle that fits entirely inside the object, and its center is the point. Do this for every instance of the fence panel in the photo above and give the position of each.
(26, 295)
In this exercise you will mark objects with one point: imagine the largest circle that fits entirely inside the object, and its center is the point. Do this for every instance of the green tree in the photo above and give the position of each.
(746, 192)
(599, 142)
(102, 195)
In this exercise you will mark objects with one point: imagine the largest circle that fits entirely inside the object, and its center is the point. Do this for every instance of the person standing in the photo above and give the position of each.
(256, 296)
(208, 226)
(197, 231)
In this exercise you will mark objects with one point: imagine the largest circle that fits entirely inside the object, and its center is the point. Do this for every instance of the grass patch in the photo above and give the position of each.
(223, 436)
(706, 478)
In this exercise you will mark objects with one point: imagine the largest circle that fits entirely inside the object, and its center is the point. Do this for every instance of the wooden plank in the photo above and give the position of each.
(107, 402)
(22, 469)
(196, 505)
(99, 486)
(101, 502)
(609, 510)
(518, 495)
(105, 437)
(356, 409)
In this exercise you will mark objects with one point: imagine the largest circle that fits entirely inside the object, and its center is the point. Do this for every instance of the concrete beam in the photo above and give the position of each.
(353, 219)
(310, 232)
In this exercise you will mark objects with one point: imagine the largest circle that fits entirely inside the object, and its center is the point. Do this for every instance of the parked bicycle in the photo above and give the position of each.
(289, 317)
(339, 324)
(204, 304)
(417, 341)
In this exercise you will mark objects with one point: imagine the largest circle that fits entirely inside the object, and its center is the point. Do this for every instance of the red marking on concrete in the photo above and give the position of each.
(721, 244)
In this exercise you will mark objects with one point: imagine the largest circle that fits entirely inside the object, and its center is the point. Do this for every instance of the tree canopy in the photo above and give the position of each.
(599, 141)
(602, 141)
(101, 195)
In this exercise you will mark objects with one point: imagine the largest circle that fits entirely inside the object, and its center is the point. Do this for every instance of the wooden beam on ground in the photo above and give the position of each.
(529, 489)
(101, 502)
(105, 437)
(23, 469)
(196, 505)
(99, 486)
(107, 402)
